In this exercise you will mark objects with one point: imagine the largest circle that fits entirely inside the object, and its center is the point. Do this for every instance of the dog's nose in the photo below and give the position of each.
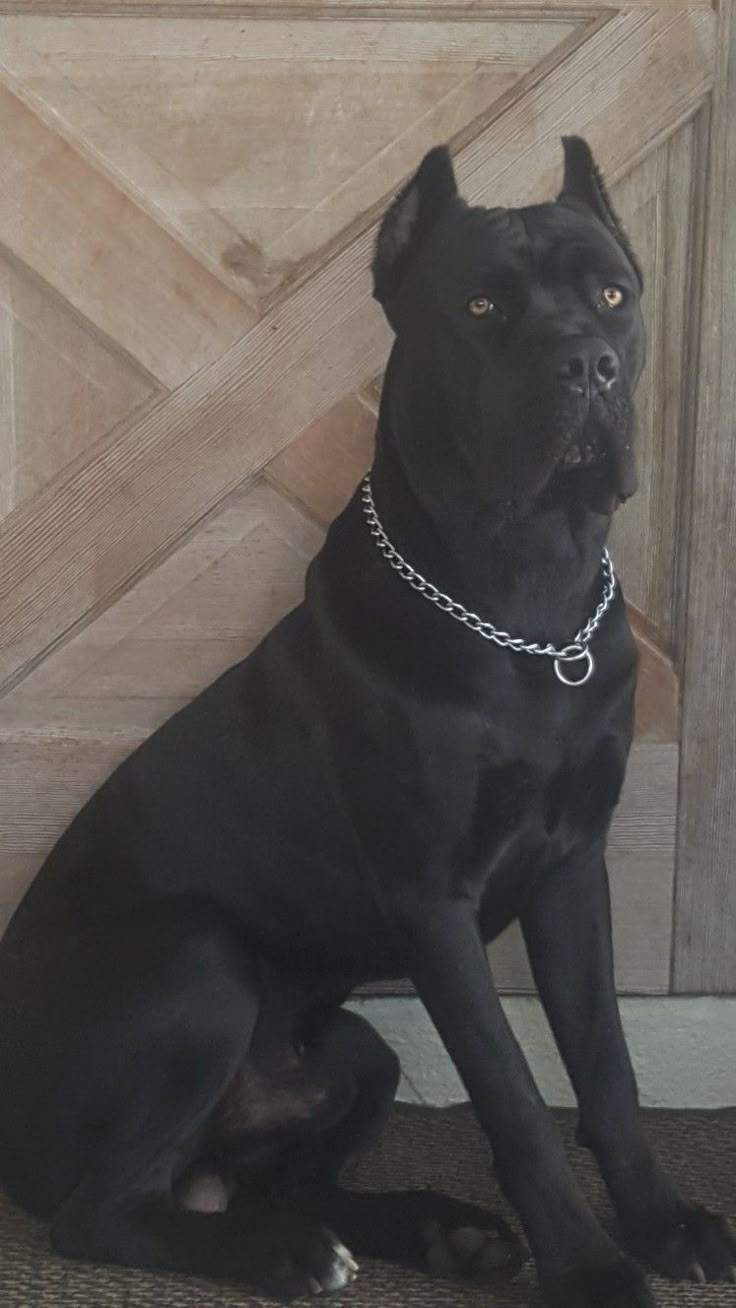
(589, 370)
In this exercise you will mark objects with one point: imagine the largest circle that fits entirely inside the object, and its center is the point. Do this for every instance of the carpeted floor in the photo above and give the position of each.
(442, 1148)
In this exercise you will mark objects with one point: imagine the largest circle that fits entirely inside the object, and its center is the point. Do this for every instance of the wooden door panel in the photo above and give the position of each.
(192, 202)
(500, 161)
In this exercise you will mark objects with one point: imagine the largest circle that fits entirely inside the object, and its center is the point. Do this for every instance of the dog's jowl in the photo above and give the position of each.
(429, 747)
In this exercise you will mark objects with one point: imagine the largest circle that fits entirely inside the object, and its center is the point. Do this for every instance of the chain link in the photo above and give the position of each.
(577, 648)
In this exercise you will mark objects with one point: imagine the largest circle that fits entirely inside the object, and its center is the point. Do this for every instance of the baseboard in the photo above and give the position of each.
(683, 1050)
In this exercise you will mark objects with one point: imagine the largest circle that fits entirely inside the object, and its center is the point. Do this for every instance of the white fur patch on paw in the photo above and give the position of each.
(342, 1271)
(206, 1193)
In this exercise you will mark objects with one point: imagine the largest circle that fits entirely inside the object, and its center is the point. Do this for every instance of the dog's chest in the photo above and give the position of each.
(528, 813)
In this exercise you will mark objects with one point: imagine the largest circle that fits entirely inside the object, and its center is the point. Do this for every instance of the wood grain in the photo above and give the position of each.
(63, 388)
(249, 8)
(657, 689)
(205, 606)
(321, 469)
(188, 118)
(630, 84)
(114, 152)
(17, 872)
(705, 904)
(108, 259)
(93, 533)
(434, 40)
(659, 206)
(89, 535)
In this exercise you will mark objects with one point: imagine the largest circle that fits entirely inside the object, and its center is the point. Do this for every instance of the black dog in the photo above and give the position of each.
(376, 791)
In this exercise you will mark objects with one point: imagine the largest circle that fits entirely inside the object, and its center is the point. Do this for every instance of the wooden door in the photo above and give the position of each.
(190, 362)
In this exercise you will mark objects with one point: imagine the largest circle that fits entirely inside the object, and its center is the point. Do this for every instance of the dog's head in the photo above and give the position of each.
(519, 332)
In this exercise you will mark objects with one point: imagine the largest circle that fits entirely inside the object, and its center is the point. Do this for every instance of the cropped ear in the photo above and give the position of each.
(584, 183)
(410, 219)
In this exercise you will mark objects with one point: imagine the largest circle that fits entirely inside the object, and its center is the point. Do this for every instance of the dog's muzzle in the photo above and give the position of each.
(588, 371)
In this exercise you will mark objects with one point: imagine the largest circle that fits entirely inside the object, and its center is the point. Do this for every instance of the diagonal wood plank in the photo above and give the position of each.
(192, 136)
(206, 601)
(90, 535)
(179, 627)
(108, 259)
(320, 470)
(137, 496)
(637, 76)
(23, 69)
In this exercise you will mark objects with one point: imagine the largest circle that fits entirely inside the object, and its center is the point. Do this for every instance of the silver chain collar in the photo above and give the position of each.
(577, 650)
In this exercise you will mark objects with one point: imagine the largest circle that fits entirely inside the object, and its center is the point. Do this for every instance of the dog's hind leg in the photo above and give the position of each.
(152, 1028)
(418, 1228)
(127, 1217)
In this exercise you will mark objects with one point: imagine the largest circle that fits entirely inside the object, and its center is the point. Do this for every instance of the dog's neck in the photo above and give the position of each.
(537, 575)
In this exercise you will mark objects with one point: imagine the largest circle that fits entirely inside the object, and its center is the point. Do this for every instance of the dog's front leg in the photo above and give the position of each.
(578, 1265)
(567, 929)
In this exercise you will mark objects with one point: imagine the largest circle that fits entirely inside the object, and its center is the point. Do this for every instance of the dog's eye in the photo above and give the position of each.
(612, 297)
(479, 306)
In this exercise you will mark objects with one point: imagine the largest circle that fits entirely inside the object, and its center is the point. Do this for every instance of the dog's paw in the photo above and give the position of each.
(687, 1244)
(299, 1257)
(617, 1283)
(482, 1249)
